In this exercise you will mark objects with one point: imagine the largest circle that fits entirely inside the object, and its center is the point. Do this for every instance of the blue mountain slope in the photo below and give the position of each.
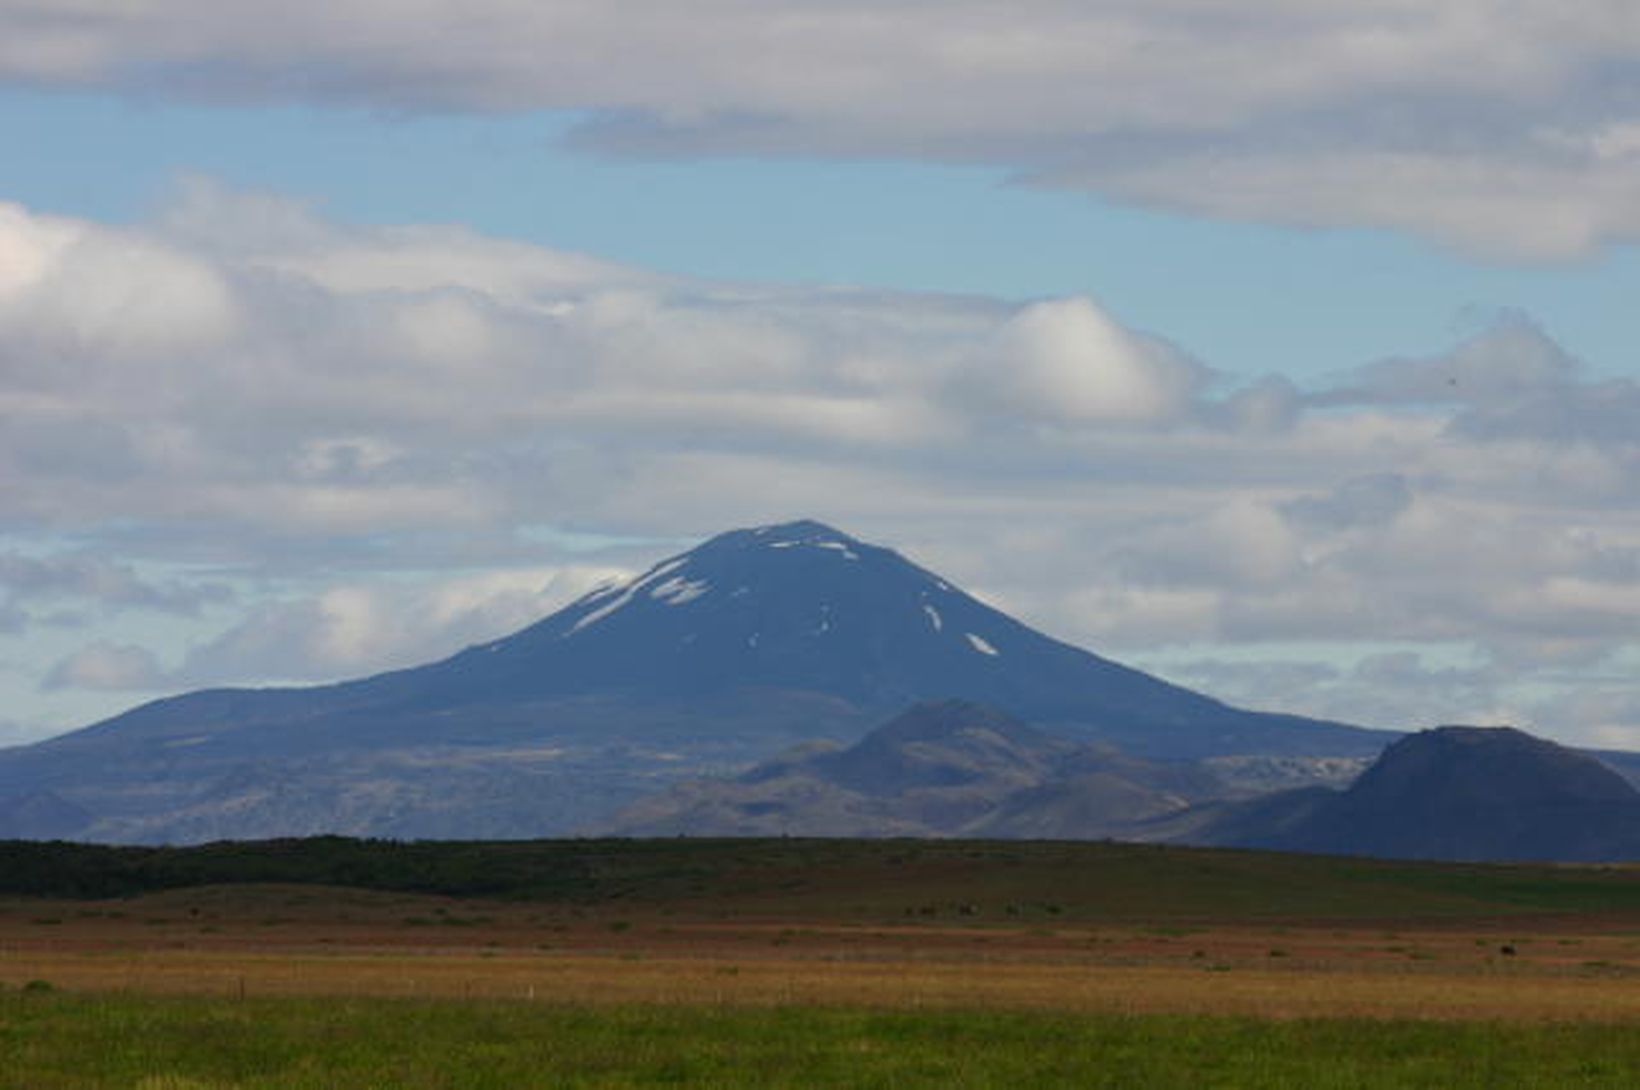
(799, 606)
(803, 607)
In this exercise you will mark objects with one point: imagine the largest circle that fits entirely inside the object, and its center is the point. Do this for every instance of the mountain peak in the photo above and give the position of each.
(784, 535)
(743, 564)
(799, 530)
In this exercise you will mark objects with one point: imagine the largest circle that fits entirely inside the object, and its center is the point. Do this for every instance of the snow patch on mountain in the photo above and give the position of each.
(627, 593)
(808, 535)
(981, 644)
(678, 590)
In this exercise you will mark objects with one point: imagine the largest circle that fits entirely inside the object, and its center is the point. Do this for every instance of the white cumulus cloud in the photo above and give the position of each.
(1067, 360)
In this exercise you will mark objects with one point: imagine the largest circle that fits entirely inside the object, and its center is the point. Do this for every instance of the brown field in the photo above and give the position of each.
(302, 940)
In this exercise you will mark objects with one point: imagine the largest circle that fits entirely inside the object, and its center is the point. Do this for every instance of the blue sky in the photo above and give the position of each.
(1287, 353)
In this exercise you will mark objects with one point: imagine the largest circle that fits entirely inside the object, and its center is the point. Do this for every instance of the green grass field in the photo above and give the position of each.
(58, 1042)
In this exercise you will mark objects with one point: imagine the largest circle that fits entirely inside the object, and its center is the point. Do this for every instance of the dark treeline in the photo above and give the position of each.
(492, 869)
(567, 870)
(854, 879)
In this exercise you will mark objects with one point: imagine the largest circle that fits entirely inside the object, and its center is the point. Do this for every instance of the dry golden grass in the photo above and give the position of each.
(583, 979)
(274, 942)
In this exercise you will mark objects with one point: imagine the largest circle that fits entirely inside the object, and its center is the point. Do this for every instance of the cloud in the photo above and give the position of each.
(1601, 414)
(30, 582)
(1361, 501)
(108, 667)
(1519, 195)
(332, 382)
(1606, 715)
(1507, 129)
(14, 733)
(1399, 689)
(1065, 360)
(351, 630)
(1510, 359)
(375, 457)
(87, 291)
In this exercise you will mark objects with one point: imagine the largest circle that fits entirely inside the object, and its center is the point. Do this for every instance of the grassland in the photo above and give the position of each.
(58, 1043)
(808, 963)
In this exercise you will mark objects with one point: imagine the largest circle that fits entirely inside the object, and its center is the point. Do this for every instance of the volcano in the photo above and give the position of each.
(709, 661)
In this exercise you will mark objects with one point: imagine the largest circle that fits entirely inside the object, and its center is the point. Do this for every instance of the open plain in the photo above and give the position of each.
(286, 940)
(1106, 939)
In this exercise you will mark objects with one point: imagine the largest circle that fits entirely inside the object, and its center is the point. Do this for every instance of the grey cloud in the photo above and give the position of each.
(1257, 683)
(1511, 381)
(1361, 501)
(107, 667)
(1504, 128)
(1504, 205)
(1404, 668)
(1511, 359)
(349, 629)
(110, 586)
(1367, 560)
(1606, 413)
(1399, 689)
(15, 733)
(1603, 714)
(1270, 405)
(279, 641)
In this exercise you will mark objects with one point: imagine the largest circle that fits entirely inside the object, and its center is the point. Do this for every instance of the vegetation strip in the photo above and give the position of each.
(848, 879)
(601, 981)
(55, 1042)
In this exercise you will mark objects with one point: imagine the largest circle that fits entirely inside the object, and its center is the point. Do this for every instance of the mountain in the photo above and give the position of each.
(706, 663)
(41, 815)
(945, 768)
(802, 608)
(1460, 793)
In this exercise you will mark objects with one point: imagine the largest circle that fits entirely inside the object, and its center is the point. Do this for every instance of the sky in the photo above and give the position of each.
(1280, 348)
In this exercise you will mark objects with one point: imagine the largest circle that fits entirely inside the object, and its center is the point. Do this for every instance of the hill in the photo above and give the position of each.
(1465, 793)
(951, 768)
